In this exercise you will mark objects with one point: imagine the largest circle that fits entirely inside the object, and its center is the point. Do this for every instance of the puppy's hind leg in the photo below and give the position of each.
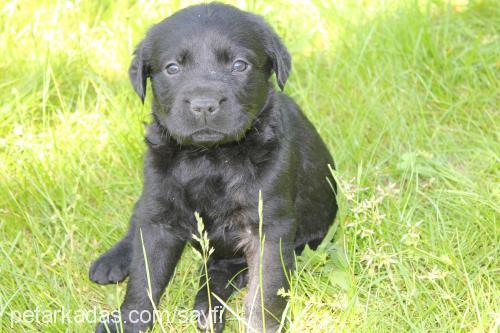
(113, 265)
(224, 277)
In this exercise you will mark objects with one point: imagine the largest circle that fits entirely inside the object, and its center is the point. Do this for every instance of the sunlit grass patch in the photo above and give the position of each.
(405, 93)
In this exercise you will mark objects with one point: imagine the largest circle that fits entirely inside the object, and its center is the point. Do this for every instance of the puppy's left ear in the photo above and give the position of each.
(281, 59)
(138, 72)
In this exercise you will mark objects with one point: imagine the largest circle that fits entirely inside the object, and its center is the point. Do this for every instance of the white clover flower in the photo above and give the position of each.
(434, 274)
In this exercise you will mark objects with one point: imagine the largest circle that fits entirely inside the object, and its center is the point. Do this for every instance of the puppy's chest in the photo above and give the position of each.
(219, 189)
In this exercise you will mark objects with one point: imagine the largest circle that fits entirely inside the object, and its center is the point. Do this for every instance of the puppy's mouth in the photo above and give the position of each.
(207, 135)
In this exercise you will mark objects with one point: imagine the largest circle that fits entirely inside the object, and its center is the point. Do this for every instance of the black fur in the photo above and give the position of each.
(242, 137)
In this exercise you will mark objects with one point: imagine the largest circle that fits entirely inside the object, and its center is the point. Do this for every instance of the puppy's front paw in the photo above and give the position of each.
(111, 324)
(117, 323)
(213, 322)
(108, 327)
(112, 266)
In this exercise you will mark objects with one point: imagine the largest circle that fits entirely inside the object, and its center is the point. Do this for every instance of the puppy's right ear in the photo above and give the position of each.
(139, 72)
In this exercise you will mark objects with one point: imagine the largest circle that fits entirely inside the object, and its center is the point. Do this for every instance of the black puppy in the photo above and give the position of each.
(220, 134)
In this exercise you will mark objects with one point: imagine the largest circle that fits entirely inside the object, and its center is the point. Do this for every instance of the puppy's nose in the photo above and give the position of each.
(205, 105)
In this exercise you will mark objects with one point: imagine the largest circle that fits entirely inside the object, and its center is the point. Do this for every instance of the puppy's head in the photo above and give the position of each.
(209, 67)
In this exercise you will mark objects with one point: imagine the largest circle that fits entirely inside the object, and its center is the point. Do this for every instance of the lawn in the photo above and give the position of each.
(405, 93)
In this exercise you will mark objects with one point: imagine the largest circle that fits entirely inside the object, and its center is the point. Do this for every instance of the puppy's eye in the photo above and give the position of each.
(173, 68)
(239, 66)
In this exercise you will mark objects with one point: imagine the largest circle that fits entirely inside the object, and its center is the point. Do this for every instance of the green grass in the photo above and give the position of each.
(406, 94)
